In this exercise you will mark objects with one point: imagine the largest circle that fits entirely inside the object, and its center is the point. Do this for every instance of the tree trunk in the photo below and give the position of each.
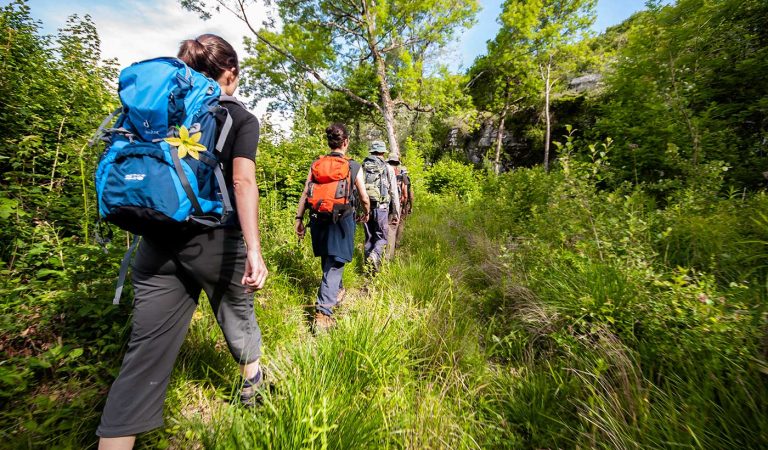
(499, 138)
(387, 105)
(547, 136)
(388, 111)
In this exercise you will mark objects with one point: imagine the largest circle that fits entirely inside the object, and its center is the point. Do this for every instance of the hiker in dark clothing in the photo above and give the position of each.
(395, 234)
(407, 204)
(169, 273)
(381, 186)
(333, 234)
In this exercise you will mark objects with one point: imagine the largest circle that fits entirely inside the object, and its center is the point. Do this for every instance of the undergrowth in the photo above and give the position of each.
(542, 312)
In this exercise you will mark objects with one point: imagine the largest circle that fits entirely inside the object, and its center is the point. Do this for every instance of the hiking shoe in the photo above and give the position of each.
(371, 265)
(250, 394)
(323, 322)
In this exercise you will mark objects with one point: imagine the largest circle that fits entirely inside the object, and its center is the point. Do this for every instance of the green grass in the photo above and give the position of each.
(483, 333)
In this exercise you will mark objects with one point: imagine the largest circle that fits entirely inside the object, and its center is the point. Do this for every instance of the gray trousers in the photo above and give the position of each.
(167, 283)
(331, 284)
(376, 230)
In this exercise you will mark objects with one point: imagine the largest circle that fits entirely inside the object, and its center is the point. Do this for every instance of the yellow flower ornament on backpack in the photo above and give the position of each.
(188, 145)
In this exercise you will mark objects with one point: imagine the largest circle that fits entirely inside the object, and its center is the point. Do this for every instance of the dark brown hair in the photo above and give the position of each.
(209, 54)
(336, 133)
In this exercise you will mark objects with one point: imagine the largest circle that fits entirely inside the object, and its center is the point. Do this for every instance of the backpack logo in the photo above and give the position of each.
(135, 176)
(148, 128)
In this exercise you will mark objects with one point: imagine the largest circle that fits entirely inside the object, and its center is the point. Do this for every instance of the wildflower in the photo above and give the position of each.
(188, 145)
(704, 298)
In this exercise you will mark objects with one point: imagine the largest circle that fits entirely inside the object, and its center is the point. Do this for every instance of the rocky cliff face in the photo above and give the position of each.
(516, 150)
(585, 83)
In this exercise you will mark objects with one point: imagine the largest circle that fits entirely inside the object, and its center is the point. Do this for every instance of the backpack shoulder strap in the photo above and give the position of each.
(231, 99)
(224, 132)
(354, 169)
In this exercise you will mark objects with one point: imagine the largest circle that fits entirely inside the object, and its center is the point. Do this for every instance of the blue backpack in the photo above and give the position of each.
(160, 168)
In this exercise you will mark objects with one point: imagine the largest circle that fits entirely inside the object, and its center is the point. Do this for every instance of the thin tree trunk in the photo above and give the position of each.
(499, 138)
(387, 105)
(388, 111)
(548, 135)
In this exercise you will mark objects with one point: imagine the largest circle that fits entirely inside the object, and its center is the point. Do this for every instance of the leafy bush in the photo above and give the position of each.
(452, 178)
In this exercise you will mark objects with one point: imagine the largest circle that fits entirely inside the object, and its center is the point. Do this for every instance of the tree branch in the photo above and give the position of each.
(244, 17)
(409, 107)
(341, 27)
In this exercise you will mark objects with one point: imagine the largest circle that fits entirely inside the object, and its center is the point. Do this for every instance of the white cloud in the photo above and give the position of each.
(144, 29)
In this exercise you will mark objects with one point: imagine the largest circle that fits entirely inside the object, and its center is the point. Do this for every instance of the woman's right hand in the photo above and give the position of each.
(256, 272)
(299, 227)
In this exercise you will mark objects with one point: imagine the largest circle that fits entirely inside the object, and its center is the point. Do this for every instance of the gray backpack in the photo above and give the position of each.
(376, 179)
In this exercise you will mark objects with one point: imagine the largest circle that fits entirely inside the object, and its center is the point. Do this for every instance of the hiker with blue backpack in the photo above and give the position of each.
(333, 182)
(381, 186)
(179, 170)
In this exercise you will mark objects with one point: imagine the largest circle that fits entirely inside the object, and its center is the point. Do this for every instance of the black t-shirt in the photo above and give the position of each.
(242, 142)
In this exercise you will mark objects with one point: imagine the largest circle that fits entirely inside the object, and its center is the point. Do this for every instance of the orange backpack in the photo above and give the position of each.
(330, 186)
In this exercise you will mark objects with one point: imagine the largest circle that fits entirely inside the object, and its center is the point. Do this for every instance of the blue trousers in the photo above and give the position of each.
(330, 285)
(376, 230)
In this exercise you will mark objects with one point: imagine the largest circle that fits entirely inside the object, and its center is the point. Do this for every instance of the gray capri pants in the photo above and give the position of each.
(167, 281)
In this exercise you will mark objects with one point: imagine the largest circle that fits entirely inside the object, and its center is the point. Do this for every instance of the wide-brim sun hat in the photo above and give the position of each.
(378, 147)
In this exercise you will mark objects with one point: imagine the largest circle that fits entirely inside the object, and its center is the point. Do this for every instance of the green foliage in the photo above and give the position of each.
(452, 178)
(283, 166)
(539, 45)
(603, 305)
(692, 74)
(373, 57)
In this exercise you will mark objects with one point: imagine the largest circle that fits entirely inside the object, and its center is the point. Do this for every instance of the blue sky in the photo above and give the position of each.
(146, 28)
(142, 29)
(473, 42)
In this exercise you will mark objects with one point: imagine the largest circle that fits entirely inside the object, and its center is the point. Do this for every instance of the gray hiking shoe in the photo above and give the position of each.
(372, 265)
(250, 394)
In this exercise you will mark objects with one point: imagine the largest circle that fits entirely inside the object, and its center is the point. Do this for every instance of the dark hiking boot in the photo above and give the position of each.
(250, 394)
(323, 322)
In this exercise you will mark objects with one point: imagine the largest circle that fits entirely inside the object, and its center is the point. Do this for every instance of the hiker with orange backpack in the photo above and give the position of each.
(395, 234)
(381, 185)
(329, 197)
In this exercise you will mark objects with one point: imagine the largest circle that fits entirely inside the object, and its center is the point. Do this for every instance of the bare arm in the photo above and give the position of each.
(247, 203)
(360, 185)
(299, 223)
(410, 193)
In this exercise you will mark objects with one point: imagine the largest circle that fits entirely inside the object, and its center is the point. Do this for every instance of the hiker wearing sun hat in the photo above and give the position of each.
(395, 234)
(381, 186)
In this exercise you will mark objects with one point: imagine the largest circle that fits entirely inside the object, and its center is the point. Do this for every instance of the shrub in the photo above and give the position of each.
(452, 178)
